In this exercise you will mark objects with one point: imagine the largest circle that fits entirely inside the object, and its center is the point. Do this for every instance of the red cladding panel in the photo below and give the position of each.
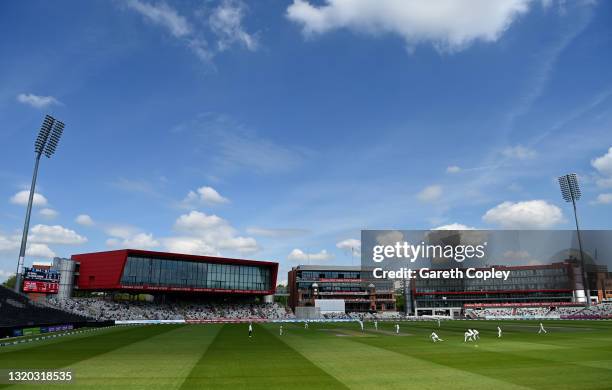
(103, 270)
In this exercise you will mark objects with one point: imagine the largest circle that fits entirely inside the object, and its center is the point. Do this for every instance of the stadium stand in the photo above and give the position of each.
(601, 311)
(103, 309)
(17, 310)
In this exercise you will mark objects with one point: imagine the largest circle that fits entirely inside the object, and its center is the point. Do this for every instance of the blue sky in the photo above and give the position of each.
(278, 129)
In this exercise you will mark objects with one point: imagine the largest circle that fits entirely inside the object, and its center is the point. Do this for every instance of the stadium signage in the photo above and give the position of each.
(44, 275)
(40, 287)
(455, 273)
(521, 304)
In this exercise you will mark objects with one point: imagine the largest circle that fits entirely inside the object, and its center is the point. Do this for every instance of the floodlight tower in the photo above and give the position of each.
(48, 137)
(570, 191)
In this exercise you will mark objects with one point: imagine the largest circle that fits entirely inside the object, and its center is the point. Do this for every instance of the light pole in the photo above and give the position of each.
(48, 137)
(570, 191)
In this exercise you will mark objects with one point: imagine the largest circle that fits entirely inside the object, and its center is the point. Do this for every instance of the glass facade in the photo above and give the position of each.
(524, 285)
(350, 285)
(519, 280)
(140, 271)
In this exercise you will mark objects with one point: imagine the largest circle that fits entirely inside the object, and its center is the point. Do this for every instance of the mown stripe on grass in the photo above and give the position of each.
(159, 362)
(487, 358)
(234, 361)
(70, 351)
(362, 365)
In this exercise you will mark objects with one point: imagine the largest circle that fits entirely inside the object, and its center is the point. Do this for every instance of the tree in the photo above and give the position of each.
(10, 282)
(399, 301)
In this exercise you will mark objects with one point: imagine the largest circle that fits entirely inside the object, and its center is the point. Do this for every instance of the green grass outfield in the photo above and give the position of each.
(573, 355)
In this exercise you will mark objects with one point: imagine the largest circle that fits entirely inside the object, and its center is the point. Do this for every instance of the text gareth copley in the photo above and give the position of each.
(455, 273)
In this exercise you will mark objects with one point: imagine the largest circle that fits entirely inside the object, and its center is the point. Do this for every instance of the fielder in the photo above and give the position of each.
(499, 332)
(435, 338)
(376, 325)
(468, 336)
(542, 329)
(476, 334)
(305, 325)
(250, 330)
(280, 330)
(396, 328)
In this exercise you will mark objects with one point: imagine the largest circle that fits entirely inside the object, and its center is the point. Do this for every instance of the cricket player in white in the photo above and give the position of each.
(435, 338)
(438, 322)
(305, 325)
(250, 330)
(476, 334)
(499, 332)
(280, 331)
(542, 329)
(376, 325)
(467, 336)
(361, 324)
(397, 328)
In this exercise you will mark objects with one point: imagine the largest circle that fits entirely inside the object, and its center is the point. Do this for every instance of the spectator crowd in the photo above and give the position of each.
(104, 309)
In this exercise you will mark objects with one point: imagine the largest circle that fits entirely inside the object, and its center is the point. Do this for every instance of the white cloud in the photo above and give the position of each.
(276, 232)
(162, 15)
(604, 199)
(453, 169)
(390, 237)
(240, 244)
(37, 101)
(454, 226)
(21, 198)
(300, 255)
(210, 232)
(430, 193)
(189, 245)
(48, 213)
(39, 250)
(226, 22)
(4, 274)
(84, 220)
(350, 244)
(121, 231)
(524, 215)
(56, 234)
(603, 164)
(200, 223)
(205, 195)
(449, 25)
(137, 241)
(11, 244)
(521, 257)
(8, 244)
(519, 152)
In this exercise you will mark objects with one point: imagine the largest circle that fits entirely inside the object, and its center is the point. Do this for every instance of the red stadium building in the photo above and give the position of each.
(150, 272)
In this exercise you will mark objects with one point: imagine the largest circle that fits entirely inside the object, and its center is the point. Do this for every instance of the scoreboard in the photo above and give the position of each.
(40, 280)
(40, 287)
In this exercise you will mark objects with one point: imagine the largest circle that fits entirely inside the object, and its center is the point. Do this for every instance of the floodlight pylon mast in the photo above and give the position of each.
(570, 191)
(48, 137)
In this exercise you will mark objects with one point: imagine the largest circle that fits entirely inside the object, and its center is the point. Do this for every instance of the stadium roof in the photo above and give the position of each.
(328, 268)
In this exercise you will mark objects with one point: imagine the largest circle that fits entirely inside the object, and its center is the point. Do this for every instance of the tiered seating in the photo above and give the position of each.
(104, 309)
(18, 310)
